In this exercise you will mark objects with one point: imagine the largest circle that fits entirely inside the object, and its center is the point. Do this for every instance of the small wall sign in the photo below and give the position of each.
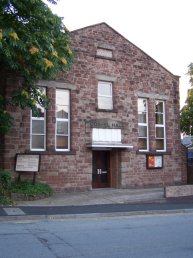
(154, 161)
(27, 163)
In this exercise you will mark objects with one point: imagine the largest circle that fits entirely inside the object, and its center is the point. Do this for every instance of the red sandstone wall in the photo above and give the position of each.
(135, 72)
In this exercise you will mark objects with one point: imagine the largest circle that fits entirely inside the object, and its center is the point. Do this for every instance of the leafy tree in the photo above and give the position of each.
(186, 113)
(34, 43)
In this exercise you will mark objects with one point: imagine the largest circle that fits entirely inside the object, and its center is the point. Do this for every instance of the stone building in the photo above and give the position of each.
(113, 120)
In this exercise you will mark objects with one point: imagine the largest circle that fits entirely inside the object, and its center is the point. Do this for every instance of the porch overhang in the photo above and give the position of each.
(108, 146)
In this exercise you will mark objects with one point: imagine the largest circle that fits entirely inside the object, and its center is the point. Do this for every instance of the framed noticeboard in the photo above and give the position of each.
(154, 161)
(27, 163)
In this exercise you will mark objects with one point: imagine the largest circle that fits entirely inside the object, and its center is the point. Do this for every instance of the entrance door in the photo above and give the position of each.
(101, 169)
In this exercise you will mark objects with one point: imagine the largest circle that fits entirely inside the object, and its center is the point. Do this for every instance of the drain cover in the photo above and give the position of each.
(14, 211)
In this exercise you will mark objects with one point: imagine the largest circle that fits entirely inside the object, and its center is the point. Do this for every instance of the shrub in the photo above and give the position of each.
(29, 189)
(5, 201)
(25, 187)
(5, 183)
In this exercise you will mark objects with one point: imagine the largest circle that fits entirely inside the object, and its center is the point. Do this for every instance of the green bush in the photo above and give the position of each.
(5, 200)
(25, 187)
(5, 183)
(29, 189)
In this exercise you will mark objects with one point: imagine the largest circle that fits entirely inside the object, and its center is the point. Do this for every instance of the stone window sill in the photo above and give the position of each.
(51, 152)
(153, 152)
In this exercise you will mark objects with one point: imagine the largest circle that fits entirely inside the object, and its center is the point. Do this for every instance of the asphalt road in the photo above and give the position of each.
(138, 208)
(160, 236)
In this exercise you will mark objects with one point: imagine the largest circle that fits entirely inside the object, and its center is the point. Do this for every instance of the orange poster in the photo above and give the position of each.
(151, 161)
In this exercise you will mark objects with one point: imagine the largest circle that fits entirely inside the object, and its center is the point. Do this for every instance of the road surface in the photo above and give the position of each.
(152, 236)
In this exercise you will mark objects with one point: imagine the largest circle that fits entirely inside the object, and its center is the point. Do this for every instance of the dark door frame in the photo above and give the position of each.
(113, 169)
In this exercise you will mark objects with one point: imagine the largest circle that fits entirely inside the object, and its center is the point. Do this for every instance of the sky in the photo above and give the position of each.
(161, 28)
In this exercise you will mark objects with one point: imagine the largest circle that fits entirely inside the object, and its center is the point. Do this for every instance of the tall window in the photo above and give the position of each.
(105, 95)
(143, 141)
(62, 120)
(160, 125)
(38, 128)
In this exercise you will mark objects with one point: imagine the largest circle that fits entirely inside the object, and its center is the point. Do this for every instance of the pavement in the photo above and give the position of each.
(97, 203)
(99, 196)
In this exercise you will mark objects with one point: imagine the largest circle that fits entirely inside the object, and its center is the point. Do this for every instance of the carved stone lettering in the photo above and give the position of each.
(106, 123)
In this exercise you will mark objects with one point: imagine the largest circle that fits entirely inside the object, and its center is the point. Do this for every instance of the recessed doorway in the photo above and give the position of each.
(101, 169)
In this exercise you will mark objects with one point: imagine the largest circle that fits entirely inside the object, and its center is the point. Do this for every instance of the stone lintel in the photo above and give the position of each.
(56, 84)
(102, 77)
(151, 95)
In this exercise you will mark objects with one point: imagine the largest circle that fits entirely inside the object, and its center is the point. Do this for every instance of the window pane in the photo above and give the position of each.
(62, 97)
(61, 142)
(37, 142)
(104, 89)
(62, 127)
(160, 144)
(62, 112)
(159, 132)
(37, 126)
(142, 105)
(159, 119)
(159, 106)
(142, 144)
(62, 119)
(142, 118)
(41, 110)
(105, 103)
(142, 131)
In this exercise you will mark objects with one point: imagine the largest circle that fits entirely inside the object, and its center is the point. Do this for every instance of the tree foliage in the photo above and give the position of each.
(5, 118)
(35, 43)
(186, 113)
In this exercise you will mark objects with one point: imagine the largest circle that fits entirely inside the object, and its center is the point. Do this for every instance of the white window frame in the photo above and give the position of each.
(34, 118)
(105, 96)
(161, 126)
(144, 125)
(63, 120)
